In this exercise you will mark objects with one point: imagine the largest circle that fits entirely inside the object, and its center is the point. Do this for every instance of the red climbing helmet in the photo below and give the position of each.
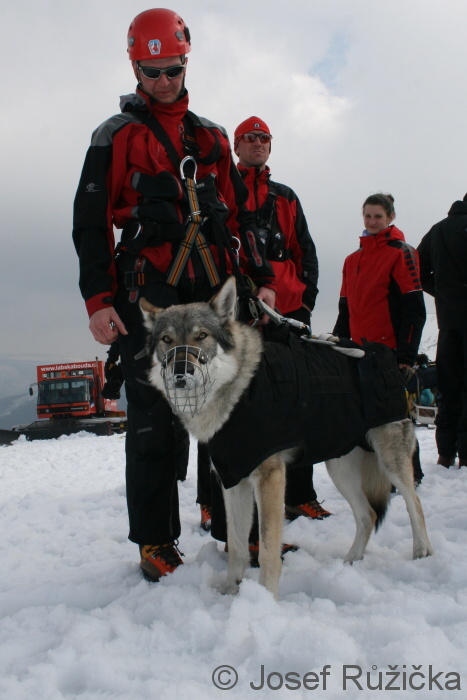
(158, 33)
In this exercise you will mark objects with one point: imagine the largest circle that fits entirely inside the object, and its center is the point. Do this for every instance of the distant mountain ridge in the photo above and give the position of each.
(15, 410)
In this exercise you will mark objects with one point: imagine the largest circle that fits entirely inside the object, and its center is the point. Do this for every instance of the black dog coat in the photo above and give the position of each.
(309, 396)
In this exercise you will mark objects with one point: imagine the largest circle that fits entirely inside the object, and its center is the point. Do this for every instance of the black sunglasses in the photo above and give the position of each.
(251, 137)
(155, 73)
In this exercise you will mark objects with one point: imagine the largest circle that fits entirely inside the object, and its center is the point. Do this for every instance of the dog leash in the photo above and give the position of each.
(328, 339)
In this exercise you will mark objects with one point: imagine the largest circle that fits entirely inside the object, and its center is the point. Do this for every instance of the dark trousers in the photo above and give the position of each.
(299, 489)
(156, 443)
(451, 371)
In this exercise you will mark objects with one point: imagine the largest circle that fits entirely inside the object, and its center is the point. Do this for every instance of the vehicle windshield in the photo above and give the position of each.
(63, 391)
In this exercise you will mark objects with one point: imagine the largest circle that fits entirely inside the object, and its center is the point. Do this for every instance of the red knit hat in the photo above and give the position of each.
(250, 124)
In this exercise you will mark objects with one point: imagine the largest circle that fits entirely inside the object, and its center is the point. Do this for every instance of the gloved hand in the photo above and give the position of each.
(161, 192)
(164, 185)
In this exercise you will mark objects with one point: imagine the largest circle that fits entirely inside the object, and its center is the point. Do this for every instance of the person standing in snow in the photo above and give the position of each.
(443, 273)
(131, 181)
(381, 297)
(291, 251)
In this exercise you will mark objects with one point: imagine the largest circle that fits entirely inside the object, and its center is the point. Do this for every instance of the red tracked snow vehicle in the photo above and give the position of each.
(70, 400)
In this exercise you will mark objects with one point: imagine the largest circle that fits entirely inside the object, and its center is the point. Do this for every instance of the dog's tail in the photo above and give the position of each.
(376, 486)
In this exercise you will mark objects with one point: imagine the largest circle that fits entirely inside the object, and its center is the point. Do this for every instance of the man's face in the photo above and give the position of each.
(163, 89)
(255, 154)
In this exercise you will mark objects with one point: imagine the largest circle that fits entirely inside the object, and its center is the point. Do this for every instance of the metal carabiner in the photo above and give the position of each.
(236, 251)
(182, 165)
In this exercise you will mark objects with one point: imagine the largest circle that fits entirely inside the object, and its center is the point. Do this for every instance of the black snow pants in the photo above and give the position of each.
(451, 371)
(156, 443)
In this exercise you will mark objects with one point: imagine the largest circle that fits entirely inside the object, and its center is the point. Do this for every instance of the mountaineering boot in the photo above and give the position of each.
(205, 523)
(446, 461)
(312, 510)
(159, 560)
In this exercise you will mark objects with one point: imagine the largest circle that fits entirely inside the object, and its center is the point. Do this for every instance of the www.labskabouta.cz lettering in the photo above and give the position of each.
(352, 676)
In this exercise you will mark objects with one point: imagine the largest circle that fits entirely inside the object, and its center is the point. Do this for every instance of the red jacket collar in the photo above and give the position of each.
(390, 233)
(251, 175)
(174, 109)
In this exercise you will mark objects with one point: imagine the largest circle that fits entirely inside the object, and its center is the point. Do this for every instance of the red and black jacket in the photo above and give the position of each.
(381, 296)
(296, 268)
(124, 145)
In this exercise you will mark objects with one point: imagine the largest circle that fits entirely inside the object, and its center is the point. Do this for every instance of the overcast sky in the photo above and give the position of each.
(360, 95)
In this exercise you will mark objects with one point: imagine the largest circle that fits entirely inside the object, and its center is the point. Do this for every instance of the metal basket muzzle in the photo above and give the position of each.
(186, 378)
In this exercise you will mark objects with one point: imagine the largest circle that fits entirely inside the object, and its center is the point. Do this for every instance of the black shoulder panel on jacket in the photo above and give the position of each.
(410, 259)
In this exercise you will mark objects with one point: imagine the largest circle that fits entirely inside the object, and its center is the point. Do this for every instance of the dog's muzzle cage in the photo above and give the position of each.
(186, 378)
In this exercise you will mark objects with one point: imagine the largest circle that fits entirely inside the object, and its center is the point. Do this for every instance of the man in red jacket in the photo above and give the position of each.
(131, 181)
(290, 250)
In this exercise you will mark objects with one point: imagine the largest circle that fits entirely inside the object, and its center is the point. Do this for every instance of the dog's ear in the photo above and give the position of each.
(225, 301)
(149, 313)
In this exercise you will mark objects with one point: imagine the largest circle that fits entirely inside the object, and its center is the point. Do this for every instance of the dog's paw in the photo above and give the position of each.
(353, 556)
(422, 552)
(229, 588)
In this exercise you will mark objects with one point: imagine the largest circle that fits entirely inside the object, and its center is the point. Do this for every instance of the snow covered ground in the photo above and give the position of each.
(79, 621)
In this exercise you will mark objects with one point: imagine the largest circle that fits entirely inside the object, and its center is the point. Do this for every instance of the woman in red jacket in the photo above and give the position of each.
(381, 296)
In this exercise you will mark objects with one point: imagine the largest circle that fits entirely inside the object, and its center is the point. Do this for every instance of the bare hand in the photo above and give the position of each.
(105, 325)
(269, 297)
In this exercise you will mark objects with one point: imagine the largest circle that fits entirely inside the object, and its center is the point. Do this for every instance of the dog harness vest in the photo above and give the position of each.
(308, 396)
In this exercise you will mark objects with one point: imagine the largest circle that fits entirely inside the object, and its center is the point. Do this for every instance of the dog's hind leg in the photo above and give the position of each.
(269, 485)
(394, 444)
(346, 473)
(239, 503)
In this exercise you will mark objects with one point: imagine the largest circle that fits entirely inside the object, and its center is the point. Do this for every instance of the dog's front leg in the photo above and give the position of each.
(238, 502)
(269, 481)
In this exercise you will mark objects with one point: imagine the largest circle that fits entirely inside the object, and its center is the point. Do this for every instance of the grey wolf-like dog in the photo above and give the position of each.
(204, 362)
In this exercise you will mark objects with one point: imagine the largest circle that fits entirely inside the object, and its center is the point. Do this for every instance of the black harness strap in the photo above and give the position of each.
(265, 214)
(266, 221)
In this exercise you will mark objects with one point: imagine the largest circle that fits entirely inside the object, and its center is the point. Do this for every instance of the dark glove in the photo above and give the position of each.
(161, 192)
(164, 185)
(113, 380)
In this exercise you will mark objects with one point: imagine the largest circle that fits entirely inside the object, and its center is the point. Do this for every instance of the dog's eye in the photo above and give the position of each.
(202, 335)
(166, 339)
